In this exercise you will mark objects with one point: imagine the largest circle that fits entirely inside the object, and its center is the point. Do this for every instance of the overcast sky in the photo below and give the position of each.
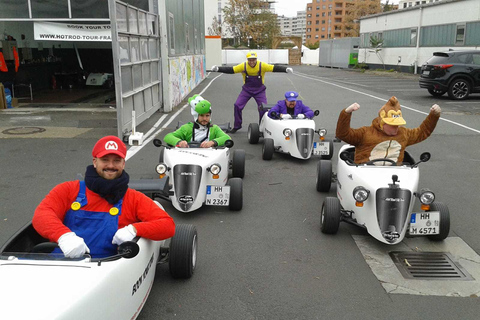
(289, 8)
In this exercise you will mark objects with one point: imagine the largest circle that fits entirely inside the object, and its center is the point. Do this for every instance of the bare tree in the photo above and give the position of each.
(215, 28)
(356, 10)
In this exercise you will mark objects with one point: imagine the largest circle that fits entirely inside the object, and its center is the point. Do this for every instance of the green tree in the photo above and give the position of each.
(376, 47)
(356, 10)
(313, 46)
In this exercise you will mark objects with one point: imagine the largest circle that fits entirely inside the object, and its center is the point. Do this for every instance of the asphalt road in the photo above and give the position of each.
(270, 260)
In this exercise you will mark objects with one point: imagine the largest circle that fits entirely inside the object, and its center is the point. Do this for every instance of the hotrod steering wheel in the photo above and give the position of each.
(194, 144)
(380, 160)
(45, 247)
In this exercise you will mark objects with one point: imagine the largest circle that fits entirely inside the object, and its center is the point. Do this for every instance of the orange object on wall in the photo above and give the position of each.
(17, 60)
(3, 65)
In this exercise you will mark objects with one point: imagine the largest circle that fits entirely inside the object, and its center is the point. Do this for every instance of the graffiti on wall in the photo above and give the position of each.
(185, 74)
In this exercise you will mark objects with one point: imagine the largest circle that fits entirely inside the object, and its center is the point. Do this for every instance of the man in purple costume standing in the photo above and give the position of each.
(254, 78)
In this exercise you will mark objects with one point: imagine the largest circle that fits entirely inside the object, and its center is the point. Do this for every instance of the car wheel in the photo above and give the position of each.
(330, 215)
(162, 151)
(324, 175)
(459, 89)
(182, 258)
(238, 163)
(436, 92)
(253, 134)
(268, 149)
(236, 194)
(444, 221)
(330, 150)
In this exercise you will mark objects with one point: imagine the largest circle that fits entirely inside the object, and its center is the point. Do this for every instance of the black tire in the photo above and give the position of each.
(162, 151)
(183, 251)
(330, 150)
(444, 221)
(324, 175)
(238, 163)
(330, 215)
(436, 92)
(268, 149)
(236, 194)
(459, 89)
(253, 133)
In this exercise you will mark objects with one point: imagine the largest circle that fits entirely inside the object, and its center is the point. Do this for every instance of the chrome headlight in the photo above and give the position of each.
(360, 194)
(215, 168)
(161, 168)
(322, 132)
(426, 196)
(287, 132)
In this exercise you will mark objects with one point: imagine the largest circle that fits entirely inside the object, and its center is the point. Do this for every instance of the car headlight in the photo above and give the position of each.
(360, 194)
(161, 168)
(215, 169)
(322, 132)
(287, 132)
(426, 196)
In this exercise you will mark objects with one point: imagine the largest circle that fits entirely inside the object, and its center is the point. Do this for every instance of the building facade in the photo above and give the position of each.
(326, 19)
(403, 4)
(293, 26)
(410, 36)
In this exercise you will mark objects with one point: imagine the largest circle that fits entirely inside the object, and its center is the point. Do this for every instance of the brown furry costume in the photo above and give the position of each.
(372, 143)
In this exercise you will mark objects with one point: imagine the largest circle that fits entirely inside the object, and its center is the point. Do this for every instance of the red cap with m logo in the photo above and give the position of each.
(109, 145)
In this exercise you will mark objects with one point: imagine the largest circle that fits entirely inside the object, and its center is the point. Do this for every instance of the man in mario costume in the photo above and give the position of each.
(386, 137)
(101, 212)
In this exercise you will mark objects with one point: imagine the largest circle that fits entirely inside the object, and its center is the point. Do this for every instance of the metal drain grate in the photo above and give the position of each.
(428, 266)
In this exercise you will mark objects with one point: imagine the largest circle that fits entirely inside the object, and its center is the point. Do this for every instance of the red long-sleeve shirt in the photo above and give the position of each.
(149, 219)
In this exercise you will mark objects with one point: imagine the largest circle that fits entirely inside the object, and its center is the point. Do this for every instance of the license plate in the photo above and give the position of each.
(426, 72)
(425, 223)
(217, 195)
(321, 148)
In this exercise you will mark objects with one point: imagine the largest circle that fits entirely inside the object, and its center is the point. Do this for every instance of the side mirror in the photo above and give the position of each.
(424, 157)
(229, 143)
(345, 156)
(316, 113)
(274, 114)
(128, 249)
(157, 142)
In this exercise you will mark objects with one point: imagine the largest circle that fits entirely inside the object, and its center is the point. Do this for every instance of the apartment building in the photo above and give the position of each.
(326, 19)
(293, 26)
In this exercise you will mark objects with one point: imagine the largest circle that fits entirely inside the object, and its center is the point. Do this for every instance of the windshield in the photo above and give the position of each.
(12, 256)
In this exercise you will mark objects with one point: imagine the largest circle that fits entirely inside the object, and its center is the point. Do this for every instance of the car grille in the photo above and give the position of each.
(392, 210)
(186, 179)
(304, 138)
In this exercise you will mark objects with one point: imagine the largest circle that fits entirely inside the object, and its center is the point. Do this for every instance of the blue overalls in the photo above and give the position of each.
(96, 228)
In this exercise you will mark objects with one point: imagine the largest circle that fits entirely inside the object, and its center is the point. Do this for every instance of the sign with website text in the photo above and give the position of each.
(51, 31)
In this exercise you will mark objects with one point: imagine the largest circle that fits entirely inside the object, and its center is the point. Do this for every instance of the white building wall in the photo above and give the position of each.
(438, 13)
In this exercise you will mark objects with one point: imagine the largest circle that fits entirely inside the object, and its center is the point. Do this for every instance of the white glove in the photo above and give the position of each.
(125, 234)
(436, 109)
(72, 245)
(286, 116)
(352, 107)
(215, 68)
(289, 70)
(300, 116)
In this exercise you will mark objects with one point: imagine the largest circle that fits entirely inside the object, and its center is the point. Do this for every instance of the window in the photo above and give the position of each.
(171, 26)
(413, 37)
(460, 35)
(476, 58)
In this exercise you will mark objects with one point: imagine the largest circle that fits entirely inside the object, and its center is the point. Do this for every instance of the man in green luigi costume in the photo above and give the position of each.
(201, 130)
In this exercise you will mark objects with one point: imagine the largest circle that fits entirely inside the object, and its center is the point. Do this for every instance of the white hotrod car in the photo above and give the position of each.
(41, 285)
(379, 196)
(291, 136)
(200, 176)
